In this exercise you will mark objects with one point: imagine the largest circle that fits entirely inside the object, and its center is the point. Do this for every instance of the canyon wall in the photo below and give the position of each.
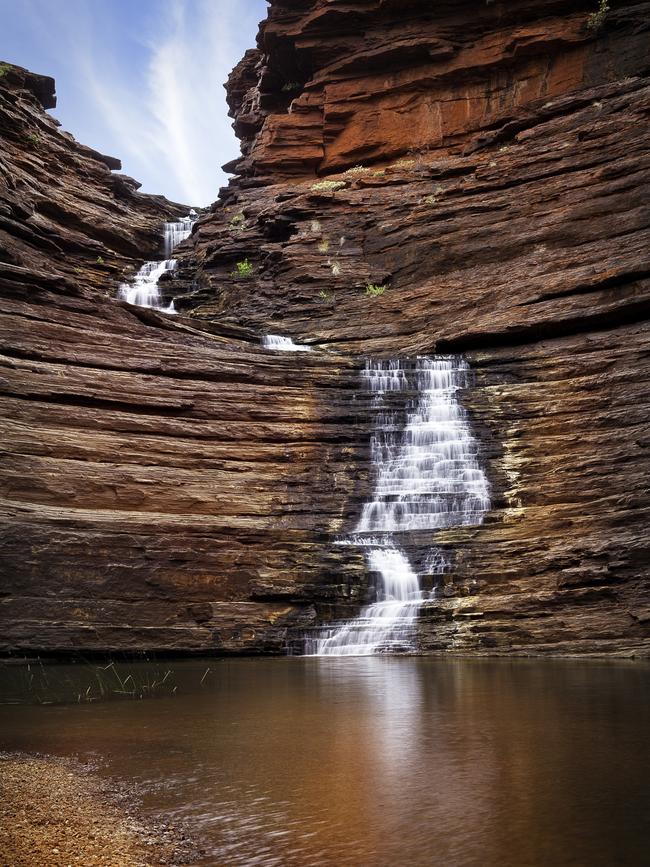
(169, 484)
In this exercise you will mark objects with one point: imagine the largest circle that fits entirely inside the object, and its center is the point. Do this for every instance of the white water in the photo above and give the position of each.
(427, 477)
(144, 291)
(283, 344)
(178, 231)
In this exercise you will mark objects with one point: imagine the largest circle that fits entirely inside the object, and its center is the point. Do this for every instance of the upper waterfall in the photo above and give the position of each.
(427, 477)
(177, 231)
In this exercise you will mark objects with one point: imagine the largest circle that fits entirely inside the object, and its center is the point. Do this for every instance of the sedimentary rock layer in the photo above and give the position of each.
(64, 211)
(171, 485)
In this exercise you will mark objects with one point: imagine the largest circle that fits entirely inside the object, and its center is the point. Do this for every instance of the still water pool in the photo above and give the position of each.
(367, 762)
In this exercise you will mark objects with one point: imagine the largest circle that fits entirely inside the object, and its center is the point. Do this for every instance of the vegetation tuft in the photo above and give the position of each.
(32, 682)
(403, 164)
(375, 290)
(596, 20)
(243, 270)
(328, 186)
(357, 170)
(237, 222)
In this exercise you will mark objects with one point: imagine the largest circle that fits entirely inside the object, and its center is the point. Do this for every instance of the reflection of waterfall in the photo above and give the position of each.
(283, 344)
(427, 478)
(144, 291)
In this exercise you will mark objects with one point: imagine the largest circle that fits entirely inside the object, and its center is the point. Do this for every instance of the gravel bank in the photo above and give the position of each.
(58, 812)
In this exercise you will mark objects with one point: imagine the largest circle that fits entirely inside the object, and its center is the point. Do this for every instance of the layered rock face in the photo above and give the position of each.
(63, 211)
(172, 485)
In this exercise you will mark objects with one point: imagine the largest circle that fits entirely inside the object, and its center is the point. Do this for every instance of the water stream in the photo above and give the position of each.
(144, 291)
(283, 344)
(427, 477)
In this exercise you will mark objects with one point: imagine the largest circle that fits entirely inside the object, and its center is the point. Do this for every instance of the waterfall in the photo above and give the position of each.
(144, 291)
(283, 344)
(178, 231)
(427, 477)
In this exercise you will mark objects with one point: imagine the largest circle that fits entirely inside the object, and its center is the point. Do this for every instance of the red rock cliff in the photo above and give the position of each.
(488, 164)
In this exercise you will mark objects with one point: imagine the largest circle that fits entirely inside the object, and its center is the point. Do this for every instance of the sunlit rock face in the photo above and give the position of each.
(415, 179)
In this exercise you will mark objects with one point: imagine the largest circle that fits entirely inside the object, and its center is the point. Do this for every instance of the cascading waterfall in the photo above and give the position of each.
(428, 477)
(144, 291)
(178, 231)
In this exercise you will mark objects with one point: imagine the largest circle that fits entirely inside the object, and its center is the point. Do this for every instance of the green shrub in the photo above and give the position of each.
(328, 186)
(324, 295)
(33, 138)
(243, 270)
(100, 260)
(4, 68)
(374, 290)
(596, 20)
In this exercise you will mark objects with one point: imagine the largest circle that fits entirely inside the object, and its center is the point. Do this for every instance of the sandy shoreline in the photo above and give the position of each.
(56, 811)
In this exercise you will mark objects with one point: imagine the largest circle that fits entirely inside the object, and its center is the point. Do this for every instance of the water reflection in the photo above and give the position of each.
(382, 761)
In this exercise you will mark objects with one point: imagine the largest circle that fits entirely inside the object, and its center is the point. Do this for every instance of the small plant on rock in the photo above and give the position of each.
(596, 20)
(237, 222)
(433, 199)
(33, 138)
(327, 186)
(100, 260)
(324, 295)
(4, 68)
(375, 290)
(323, 246)
(243, 270)
(357, 170)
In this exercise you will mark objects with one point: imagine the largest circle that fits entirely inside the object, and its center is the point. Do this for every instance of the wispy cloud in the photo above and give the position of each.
(145, 81)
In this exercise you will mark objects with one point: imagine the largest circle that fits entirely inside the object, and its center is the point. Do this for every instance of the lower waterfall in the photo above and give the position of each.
(427, 477)
(144, 291)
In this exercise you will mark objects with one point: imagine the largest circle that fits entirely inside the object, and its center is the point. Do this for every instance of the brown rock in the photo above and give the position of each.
(171, 485)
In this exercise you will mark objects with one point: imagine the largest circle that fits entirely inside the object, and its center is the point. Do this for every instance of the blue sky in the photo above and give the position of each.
(141, 80)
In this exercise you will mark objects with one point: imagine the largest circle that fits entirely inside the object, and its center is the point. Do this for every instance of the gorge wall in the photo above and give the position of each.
(169, 484)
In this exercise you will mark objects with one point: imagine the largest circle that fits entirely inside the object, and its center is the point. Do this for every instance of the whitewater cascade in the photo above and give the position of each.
(427, 477)
(144, 291)
(283, 344)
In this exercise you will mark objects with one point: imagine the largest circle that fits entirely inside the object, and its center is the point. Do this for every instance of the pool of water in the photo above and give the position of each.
(368, 762)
